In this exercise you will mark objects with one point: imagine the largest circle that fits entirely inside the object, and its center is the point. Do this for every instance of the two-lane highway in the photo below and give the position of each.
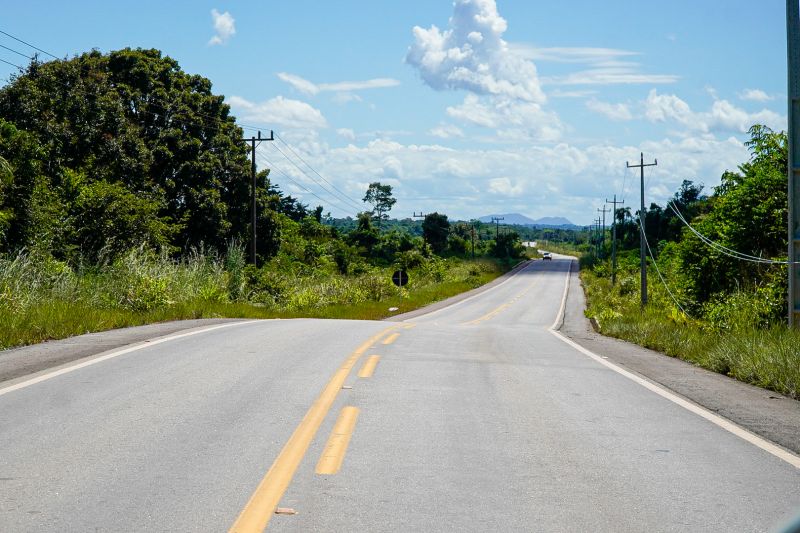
(475, 417)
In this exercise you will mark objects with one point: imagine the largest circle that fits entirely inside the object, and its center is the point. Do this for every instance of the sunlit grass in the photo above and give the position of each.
(42, 299)
(768, 358)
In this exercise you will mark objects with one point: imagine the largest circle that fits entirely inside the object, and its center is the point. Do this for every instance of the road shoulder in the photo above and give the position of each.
(27, 360)
(766, 413)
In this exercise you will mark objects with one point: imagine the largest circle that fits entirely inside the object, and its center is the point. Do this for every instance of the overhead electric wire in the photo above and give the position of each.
(12, 64)
(28, 44)
(342, 193)
(16, 52)
(346, 199)
(663, 281)
(306, 189)
(719, 247)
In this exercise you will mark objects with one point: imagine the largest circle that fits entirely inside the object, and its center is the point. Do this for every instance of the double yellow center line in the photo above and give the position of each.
(262, 504)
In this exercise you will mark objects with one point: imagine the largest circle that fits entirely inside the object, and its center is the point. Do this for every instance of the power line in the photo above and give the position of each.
(663, 282)
(28, 44)
(16, 52)
(12, 64)
(314, 180)
(719, 247)
(274, 167)
(344, 195)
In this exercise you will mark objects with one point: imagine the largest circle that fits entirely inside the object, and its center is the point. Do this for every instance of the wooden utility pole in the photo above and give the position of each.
(253, 141)
(497, 220)
(603, 234)
(793, 50)
(642, 235)
(613, 239)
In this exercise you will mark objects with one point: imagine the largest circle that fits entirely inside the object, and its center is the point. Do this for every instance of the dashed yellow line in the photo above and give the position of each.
(336, 448)
(262, 504)
(369, 366)
(391, 338)
(493, 313)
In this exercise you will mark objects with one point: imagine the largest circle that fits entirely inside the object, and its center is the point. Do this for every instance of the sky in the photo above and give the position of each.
(467, 108)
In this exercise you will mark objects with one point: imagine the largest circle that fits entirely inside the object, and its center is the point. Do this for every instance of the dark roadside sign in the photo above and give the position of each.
(400, 278)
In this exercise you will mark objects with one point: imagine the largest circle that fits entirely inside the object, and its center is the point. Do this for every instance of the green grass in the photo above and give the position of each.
(42, 299)
(765, 357)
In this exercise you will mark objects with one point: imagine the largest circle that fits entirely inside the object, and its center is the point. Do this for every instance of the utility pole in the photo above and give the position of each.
(472, 233)
(613, 239)
(415, 215)
(497, 223)
(603, 234)
(793, 51)
(642, 235)
(253, 145)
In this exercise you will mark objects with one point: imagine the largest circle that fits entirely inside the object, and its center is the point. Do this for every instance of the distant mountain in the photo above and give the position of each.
(522, 220)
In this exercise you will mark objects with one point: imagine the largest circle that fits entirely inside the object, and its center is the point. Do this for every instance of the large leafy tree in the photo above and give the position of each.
(380, 196)
(131, 119)
(435, 229)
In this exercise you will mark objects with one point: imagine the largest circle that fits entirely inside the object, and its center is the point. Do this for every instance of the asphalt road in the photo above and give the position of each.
(475, 417)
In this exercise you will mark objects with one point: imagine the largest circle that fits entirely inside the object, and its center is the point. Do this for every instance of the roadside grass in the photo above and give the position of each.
(768, 357)
(42, 299)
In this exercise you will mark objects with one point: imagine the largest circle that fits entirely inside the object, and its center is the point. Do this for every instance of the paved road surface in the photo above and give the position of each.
(474, 418)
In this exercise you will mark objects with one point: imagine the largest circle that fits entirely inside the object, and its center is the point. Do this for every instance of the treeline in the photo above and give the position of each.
(106, 153)
(720, 253)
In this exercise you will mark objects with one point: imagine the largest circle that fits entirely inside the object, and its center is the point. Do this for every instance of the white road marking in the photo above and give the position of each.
(138, 346)
(449, 307)
(724, 423)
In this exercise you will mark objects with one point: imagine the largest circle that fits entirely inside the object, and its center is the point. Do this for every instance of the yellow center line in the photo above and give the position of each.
(369, 366)
(262, 504)
(494, 312)
(391, 338)
(331, 460)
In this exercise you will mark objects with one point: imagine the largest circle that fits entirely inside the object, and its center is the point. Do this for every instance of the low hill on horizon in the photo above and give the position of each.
(522, 220)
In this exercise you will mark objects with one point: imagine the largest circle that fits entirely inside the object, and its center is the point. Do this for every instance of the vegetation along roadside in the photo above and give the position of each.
(125, 198)
(717, 274)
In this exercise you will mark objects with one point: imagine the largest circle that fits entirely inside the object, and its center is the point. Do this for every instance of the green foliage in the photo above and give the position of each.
(508, 245)
(435, 230)
(380, 196)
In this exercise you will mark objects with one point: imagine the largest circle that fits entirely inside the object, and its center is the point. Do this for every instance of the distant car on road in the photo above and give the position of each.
(547, 256)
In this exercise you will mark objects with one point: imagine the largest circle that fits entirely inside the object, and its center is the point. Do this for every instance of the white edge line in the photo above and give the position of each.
(727, 425)
(116, 353)
(515, 274)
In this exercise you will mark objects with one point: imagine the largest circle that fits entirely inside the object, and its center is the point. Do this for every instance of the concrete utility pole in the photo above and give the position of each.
(415, 215)
(642, 235)
(793, 49)
(497, 221)
(253, 145)
(603, 234)
(613, 239)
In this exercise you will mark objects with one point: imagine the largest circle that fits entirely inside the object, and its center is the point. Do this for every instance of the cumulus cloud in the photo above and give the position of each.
(472, 55)
(558, 180)
(723, 116)
(308, 87)
(506, 114)
(611, 111)
(279, 111)
(347, 133)
(755, 95)
(446, 131)
(224, 26)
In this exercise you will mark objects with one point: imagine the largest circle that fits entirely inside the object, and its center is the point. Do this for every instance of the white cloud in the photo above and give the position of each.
(723, 116)
(345, 98)
(347, 133)
(307, 87)
(558, 180)
(446, 131)
(755, 95)
(505, 114)
(611, 111)
(504, 187)
(472, 55)
(279, 111)
(224, 26)
(606, 66)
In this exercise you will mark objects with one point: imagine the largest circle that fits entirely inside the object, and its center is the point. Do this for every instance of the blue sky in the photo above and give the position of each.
(466, 108)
